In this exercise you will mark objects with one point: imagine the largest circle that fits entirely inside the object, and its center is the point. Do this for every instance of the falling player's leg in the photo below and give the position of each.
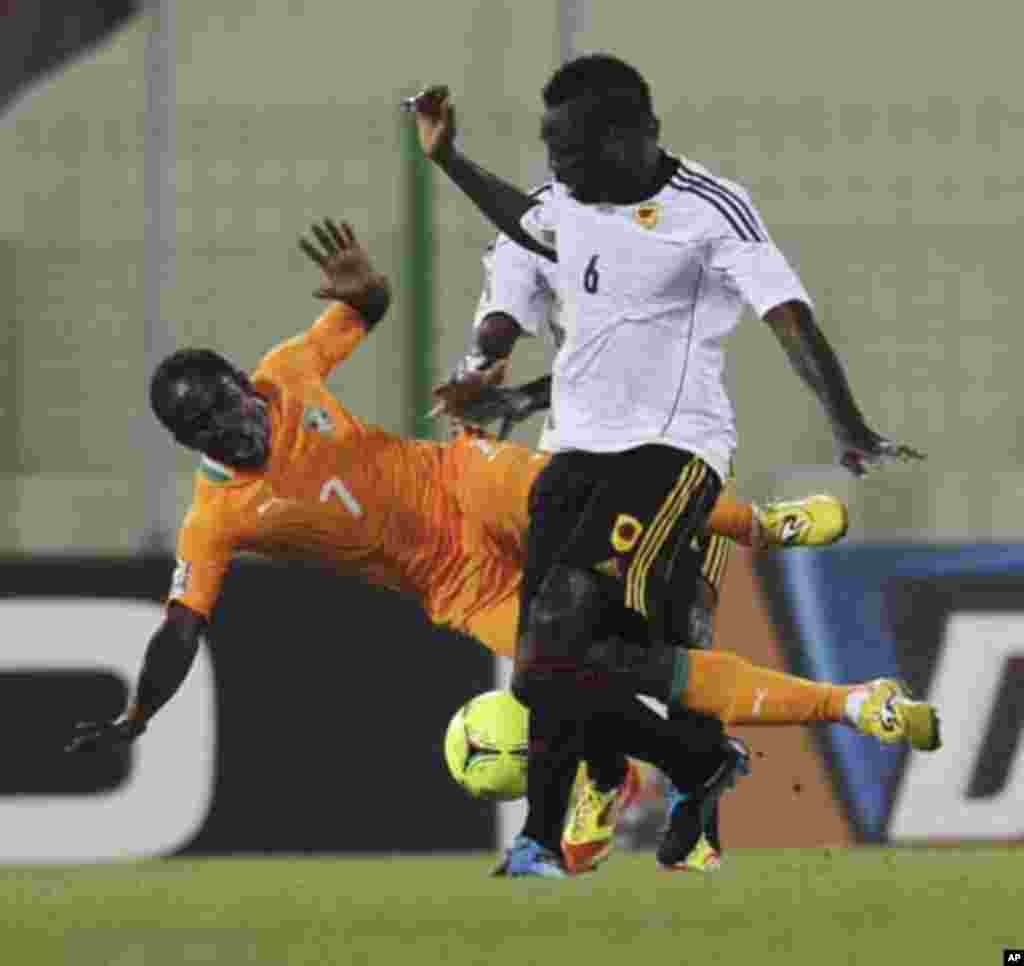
(739, 692)
(815, 520)
(491, 481)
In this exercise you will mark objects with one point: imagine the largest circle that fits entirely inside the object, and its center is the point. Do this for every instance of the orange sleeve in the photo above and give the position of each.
(314, 353)
(204, 555)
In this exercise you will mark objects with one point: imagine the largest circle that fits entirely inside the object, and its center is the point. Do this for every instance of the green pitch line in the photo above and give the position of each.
(901, 907)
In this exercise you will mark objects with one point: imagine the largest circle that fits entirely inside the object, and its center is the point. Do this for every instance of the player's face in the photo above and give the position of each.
(573, 140)
(594, 159)
(225, 418)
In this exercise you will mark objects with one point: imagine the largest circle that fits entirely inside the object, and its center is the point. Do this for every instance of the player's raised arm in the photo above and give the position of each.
(515, 300)
(818, 366)
(501, 202)
(169, 657)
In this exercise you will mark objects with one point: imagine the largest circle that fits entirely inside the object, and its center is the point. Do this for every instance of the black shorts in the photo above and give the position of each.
(708, 556)
(631, 516)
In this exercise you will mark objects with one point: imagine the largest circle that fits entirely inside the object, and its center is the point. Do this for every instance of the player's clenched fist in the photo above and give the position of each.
(435, 120)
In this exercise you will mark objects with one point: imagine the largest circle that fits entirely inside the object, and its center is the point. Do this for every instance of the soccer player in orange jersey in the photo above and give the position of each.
(287, 471)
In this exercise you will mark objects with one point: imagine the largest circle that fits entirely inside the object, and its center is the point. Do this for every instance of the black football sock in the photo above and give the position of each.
(687, 751)
(555, 752)
(606, 767)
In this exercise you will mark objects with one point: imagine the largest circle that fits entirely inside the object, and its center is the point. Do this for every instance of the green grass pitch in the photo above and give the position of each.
(906, 907)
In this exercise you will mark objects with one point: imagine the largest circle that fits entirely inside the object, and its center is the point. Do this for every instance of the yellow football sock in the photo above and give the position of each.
(732, 689)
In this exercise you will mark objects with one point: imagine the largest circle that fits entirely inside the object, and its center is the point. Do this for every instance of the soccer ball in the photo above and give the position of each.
(485, 746)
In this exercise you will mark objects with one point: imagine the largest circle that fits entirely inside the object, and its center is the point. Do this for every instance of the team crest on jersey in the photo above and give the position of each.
(647, 215)
(317, 418)
(626, 532)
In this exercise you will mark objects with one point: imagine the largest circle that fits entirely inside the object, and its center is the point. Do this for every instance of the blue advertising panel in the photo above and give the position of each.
(949, 620)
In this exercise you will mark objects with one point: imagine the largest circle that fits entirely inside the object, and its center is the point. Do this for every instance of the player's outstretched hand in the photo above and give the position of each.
(491, 402)
(348, 274)
(464, 388)
(435, 120)
(104, 735)
(870, 450)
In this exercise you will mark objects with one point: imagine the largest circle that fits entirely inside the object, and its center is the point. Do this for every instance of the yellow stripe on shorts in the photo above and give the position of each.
(658, 532)
(715, 559)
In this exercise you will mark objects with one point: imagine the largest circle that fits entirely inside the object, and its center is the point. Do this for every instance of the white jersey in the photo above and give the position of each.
(520, 283)
(649, 292)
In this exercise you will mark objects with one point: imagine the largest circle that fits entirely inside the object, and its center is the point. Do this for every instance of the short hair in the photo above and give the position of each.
(600, 75)
(184, 365)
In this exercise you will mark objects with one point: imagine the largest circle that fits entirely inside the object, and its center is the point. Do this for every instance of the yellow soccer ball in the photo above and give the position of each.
(485, 746)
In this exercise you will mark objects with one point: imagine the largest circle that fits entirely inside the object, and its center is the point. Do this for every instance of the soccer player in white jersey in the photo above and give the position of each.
(518, 298)
(654, 259)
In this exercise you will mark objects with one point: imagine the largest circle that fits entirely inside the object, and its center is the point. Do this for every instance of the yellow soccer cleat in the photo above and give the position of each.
(589, 834)
(814, 521)
(891, 715)
(701, 858)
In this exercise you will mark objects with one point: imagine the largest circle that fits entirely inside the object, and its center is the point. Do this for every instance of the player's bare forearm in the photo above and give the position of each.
(817, 365)
(172, 650)
(860, 447)
(502, 203)
(170, 654)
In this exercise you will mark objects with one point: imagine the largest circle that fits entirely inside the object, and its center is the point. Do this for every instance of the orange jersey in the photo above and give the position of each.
(490, 480)
(344, 492)
(445, 522)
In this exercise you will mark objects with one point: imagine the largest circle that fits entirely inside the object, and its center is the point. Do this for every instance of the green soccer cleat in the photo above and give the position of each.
(891, 715)
(814, 521)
